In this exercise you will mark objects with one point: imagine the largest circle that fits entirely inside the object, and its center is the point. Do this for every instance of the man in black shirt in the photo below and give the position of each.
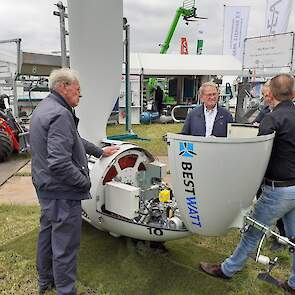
(265, 110)
(278, 192)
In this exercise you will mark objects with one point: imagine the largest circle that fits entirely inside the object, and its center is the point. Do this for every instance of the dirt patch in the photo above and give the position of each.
(18, 190)
(8, 169)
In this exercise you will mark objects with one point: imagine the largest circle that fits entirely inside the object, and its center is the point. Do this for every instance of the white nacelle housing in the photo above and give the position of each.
(215, 179)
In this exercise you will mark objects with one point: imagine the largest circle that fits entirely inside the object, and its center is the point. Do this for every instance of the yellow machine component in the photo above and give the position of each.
(164, 195)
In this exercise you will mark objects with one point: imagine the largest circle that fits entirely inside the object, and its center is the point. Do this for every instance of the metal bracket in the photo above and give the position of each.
(269, 232)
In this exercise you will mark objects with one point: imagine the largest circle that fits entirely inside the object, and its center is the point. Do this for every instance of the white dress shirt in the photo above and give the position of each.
(210, 116)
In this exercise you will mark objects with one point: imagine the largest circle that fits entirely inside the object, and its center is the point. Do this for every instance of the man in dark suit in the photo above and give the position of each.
(209, 119)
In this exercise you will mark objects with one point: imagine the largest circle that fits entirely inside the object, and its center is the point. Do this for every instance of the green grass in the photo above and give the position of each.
(110, 266)
(23, 174)
(23, 156)
(153, 132)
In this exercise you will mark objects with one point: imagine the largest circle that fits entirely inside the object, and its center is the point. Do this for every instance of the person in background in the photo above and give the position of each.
(61, 178)
(278, 190)
(159, 99)
(209, 119)
(266, 108)
(4, 101)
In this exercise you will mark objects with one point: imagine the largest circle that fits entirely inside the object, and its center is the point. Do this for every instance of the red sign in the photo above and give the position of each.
(184, 45)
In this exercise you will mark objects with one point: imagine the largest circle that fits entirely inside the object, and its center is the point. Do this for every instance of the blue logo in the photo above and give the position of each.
(187, 149)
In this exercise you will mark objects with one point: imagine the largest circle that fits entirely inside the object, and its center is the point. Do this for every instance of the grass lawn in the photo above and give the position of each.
(110, 266)
(115, 266)
(153, 132)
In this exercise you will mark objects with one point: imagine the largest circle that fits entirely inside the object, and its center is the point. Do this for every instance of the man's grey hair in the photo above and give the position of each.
(62, 76)
(282, 87)
(207, 84)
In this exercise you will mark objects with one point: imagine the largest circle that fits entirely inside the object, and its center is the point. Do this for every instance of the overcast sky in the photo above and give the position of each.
(33, 21)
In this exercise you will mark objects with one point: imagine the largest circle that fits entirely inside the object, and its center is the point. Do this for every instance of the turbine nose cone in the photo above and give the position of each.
(214, 180)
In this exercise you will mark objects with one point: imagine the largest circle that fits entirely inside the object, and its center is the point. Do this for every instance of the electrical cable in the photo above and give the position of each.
(259, 247)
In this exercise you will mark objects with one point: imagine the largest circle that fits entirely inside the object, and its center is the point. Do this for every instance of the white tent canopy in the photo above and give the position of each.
(176, 64)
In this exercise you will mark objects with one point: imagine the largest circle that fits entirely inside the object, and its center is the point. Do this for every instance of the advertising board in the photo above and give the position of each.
(273, 51)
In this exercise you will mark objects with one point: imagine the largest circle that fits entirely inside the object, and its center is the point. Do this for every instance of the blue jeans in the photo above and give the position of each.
(274, 203)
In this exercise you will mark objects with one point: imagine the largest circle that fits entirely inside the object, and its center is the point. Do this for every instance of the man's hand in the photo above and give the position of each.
(110, 150)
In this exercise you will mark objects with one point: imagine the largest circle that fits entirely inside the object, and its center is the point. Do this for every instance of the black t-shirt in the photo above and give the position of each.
(281, 165)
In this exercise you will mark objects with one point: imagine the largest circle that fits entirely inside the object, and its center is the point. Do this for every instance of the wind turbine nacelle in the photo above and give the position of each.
(214, 180)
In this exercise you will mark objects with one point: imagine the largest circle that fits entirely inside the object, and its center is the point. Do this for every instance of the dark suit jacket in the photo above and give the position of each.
(195, 122)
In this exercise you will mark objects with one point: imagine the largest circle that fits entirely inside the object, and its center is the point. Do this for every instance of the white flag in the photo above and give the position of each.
(277, 16)
(235, 29)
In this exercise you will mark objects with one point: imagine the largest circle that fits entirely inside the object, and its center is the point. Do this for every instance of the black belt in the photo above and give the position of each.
(279, 183)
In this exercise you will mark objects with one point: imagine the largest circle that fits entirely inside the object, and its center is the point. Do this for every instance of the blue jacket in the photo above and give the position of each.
(59, 160)
(195, 123)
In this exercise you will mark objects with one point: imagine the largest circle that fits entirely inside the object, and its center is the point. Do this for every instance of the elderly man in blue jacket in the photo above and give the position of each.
(209, 119)
(61, 179)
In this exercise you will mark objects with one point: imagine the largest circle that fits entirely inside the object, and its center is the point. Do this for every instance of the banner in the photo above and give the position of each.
(277, 16)
(184, 45)
(235, 29)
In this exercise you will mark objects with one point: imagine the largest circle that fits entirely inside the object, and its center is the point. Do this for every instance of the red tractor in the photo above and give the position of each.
(13, 136)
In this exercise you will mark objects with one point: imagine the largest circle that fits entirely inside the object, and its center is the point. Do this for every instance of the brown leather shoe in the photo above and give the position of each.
(284, 285)
(213, 270)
